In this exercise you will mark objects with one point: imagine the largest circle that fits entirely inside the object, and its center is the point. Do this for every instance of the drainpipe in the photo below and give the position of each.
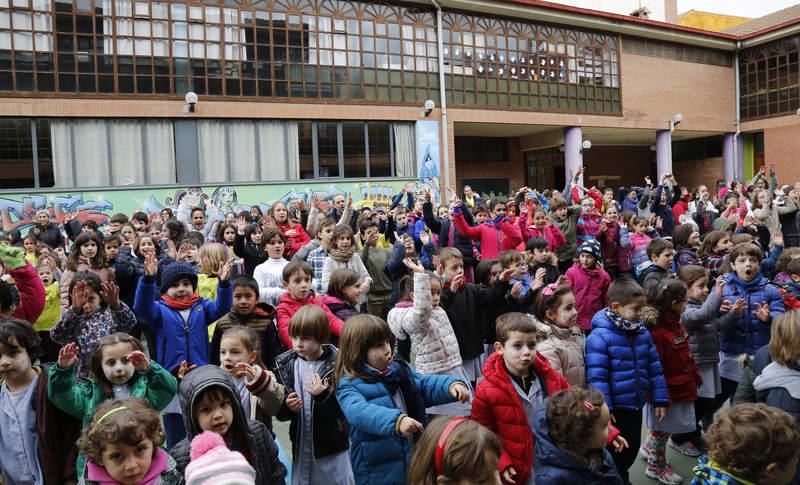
(442, 100)
(738, 122)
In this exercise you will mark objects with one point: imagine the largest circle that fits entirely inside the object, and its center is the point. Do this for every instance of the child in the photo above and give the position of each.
(317, 256)
(623, 364)
(318, 429)
(297, 281)
(571, 431)
(343, 292)
(123, 445)
(608, 233)
(119, 369)
(268, 273)
(398, 225)
(686, 239)
(212, 461)
(791, 289)
(563, 345)
(384, 401)
(777, 383)
(396, 269)
(375, 258)
(248, 245)
(565, 217)
(296, 236)
(226, 234)
(87, 254)
(714, 251)
(660, 255)
(29, 245)
(589, 283)
(495, 235)
(52, 309)
(638, 241)
(209, 402)
(662, 316)
(539, 257)
(342, 255)
(541, 227)
(589, 221)
(455, 450)
(750, 443)
(211, 257)
(30, 297)
(94, 312)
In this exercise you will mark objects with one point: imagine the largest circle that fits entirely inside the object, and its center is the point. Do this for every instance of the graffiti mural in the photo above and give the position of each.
(20, 213)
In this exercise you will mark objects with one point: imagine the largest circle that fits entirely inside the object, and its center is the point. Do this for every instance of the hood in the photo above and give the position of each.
(707, 472)
(590, 272)
(287, 299)
(776, 375)
(195, 383)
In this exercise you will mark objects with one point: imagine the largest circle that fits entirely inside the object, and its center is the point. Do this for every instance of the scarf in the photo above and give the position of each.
(342, 256)
(159, 465)
(180, 304)
(398, 377)
(622, 324)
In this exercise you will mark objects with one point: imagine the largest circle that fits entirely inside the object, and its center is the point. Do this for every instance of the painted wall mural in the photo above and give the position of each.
(18, 211)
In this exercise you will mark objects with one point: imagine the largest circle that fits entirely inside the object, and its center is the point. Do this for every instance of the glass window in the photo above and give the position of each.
(354, 146)
(380, 161)
(306, 149)
(16, 154)
(328, 149)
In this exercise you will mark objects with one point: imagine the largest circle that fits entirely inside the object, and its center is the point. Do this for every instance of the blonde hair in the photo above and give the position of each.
(211, 255)
(784, 343)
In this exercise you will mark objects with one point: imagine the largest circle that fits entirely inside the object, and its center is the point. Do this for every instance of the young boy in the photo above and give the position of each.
(115, 224)
(375, 258)
(297, 281)
(51, 313)
(623, 364)
(315, 252)
(660, 254)
(449, 236)
(249, 312)
(539, 257)
(750, 443)
(565, 217)
(496, 235)
(189, 251)
(398, 225)
(791, 289)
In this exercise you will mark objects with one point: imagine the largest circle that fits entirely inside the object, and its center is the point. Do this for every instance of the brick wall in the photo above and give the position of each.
(782, 147)
(615, 166)
(513, 168)
(691, 173)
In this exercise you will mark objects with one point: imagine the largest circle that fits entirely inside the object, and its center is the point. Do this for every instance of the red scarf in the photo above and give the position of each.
(180, 304)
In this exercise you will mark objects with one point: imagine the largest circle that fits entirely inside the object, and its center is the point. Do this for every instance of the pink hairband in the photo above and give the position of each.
(550, 289)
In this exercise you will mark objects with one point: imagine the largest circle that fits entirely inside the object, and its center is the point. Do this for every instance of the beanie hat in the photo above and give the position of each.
(213, 462)
(592, 247)
(174, 272)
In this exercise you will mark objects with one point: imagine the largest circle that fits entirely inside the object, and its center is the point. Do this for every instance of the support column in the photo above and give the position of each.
(740, 156)
(573, 156)
(729, 157)
(663, 153)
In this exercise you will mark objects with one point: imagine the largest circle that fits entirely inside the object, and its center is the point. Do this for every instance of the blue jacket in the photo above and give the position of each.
(553, 466)
(748, 333)
(178, 341)
(377, 452)
(623, 366)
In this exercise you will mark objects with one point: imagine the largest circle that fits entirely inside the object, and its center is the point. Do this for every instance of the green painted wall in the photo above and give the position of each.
(748, 155)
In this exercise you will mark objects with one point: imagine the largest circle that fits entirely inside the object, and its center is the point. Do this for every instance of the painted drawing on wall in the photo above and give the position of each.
(427, 140)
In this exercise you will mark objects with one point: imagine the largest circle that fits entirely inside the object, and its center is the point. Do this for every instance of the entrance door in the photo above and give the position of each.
(545, 169)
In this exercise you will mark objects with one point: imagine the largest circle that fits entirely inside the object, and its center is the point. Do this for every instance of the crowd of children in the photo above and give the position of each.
(522, 340)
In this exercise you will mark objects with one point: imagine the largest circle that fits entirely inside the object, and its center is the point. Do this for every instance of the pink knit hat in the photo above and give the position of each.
(213, 462)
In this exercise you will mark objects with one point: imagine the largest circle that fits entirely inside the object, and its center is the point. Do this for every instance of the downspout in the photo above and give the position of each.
(442, 100)
(738, 121)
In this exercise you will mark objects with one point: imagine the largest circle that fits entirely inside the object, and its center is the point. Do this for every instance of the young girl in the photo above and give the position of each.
(52, 308)
(210, 402)
(687, 241)
(608, 233)
(211, 256)
(226, 234)
(667, 301)
(563, 346)
(589, 221)
(123, 446)
(87, 254)
(318, 429)
(455, 450)
(343, 292)
(541, 226)
(433, 341)
(713, 251)
(589, 283)
(29, 245)
(269, 273)
(248, 245)
(384, 401)
(570, 435)
(128, 233)
(296, 236)
(624, 253)
(119, 369)
(636, 242)
(94, 312)
(342, 255)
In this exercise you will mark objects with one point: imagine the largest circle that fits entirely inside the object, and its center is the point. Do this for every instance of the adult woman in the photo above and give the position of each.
(46, 231)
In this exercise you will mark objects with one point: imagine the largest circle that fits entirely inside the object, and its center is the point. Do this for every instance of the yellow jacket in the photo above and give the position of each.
(52, 309)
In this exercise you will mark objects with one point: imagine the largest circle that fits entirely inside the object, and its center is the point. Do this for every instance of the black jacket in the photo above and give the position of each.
(330, 430)
(262, 451)
(441, 226)
(652, 275)
(50, 235)
(262, 321)
(665, 211)
(249, 252)
(464, 311)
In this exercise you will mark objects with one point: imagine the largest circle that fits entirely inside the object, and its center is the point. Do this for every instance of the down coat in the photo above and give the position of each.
(563, 348)
(704, 321)
(748, 334)
(591, 289)
(624, 366)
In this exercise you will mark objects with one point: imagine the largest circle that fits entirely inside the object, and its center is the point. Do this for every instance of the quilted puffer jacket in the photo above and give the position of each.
(624, 366)
(747, 334)
(704, 321)
(591, 288)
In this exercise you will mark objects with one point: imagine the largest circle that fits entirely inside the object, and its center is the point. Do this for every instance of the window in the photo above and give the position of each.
(473, 148)
(16, 154)
(354, 147)
(328, 149)
(380, 160)
(769, 79)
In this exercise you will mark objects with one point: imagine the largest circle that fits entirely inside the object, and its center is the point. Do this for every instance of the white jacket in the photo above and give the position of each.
(564, 349)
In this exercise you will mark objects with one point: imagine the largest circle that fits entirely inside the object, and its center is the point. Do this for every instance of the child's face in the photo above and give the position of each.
(380, 356)
(663, 260)
(540, 256)
(371, 236)
(611, 214)
(29, 245)
(452, 269)
(351, 293)
(117, 368)
(408, 242)
(630, 311)
(632, 195)
(92, 302)
(279, 213)
(494, 272)
(587, 205)
(229, 235)
(214, 414)
(518, 352)
(746, 267)
(112, 249)
(299, 285)
(256, 235)
(561, 213)
(539, 219)
(15, 363)
(89, 249)
(641, 227)
(566, 314)
(344, 242)
(244, 300)
(443, 212)
(401, 220)
(46, 275)
(146, 246)
(600, 430)
(181, 290)
(127, 464)
(155, 234)
(520, 268)
(307, 347)
(232, 351)
(587, 261)
(608, 195)
(254, 213)
(731, 202)
(198, 219)
(192, 254)
(436, 292)
(698, 291)
(694, 239)
(498, 210)
(326, 234)
(723, 245)
(138, 225)
(275, 247)
(480, 217)
(42, 219)
(114, 226)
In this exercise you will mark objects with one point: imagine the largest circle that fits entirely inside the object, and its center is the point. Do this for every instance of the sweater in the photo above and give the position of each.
(354, 264)
(375, 259)
(590, 287)
(269, 276)
(52, 309)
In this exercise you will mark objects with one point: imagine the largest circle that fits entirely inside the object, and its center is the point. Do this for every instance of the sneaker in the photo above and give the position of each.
(686, 448)
(664, 475)
(644, 450)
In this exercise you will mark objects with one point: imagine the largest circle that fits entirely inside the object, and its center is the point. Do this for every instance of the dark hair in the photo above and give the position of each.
(125, 421)
(709, 241)
(516, 322)
(343, 230)
(139, 216)
(497, 200)
(197, 236)
(483, 271)
(118, 218)
(658, 246)
(366, 224)
(15, 332)
(691, 273)
(247, 281)
(270, 233)
(92, 282)
(328, 221)
(666, 292)
(793, 268)
(191, 241)
(175, 230)
(221, 231)
(112, 238)
(535, 243)
(570, 419)
(296, 267)
(681, 235)
(507, 258)
(361, 333)
(746, 249)
(558, 203)
(90, 224)
(98, 261)
(310, 321)
(624, 290)
(480, 208)
(550, 302)
(96, 361)
(197, 209)
(247, 336)
(341, 279)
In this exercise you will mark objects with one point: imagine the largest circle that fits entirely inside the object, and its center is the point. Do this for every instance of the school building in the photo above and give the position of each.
(96, 98)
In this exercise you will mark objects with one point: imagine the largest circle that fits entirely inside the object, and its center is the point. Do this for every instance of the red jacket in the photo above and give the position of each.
(591, 291)
(672, 343)
(609, 243)
(295, 242)
(288, 306)
(555, 238)
(31, 293)
(494, 239)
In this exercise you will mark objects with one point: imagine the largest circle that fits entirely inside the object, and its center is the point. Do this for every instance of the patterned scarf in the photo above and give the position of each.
(622, 324)
(342, 256)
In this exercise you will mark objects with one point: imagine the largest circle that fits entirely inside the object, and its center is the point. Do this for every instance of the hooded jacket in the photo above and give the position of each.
(288, 306)
(779, 386)
(554, 466)
(591, 288)
(50, 235)
(551, 233)
(704, 322)
(262, 451)
(494, 238)
(747, 334)
(262, 321)
(624, 366)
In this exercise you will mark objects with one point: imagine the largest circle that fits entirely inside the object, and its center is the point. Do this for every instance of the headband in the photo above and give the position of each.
(550, 289)
(110, 412)
(446, 432)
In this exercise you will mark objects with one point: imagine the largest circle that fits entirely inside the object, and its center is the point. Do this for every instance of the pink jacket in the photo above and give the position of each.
(494, 239)
(590, 287)
(555, 238)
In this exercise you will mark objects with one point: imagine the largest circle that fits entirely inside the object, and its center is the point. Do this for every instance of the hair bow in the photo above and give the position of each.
(550, 289)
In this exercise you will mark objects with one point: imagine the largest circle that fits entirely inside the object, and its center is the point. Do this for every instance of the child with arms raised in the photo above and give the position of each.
(87, 254)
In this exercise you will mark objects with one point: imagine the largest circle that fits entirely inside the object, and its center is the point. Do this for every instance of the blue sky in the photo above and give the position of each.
(744, 8)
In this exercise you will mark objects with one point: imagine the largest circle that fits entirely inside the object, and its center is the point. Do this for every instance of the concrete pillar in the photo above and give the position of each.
(740, 157)
(663, 153)
(573, 156)
(728, 157)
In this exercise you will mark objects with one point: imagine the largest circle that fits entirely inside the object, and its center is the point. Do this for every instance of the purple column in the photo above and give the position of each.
(663, 153)
(740, 157)
(728, 157)
(573, 157)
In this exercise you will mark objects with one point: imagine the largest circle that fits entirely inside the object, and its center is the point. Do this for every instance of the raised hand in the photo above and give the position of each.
(720, 284)
(140, 361)
(460, 392)
(251, 373)
(150, 264)
(184, 251)
(509, 474)
(80, 295)
(349, 201)
(294, 403)
(738, 307)
(725, 306)
(409, 426)
(184, 369)
(171, 251)
(777, 239)
(109, 292)
(516, 290)
(457, 283)
(538, 279)
(316, 385)
(507, 274)
(424, 238)
(762, 312)
(427, 196)
(225, 268)
(68, 356)
(413, 266)
(648, 181)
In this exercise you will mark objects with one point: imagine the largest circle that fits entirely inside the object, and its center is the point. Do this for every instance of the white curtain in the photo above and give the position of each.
(62, 153)
(213, 160)
(404, 150)
(160, 152)
(243, 150)
(126, 152)
(91, 153)
(279, 160)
